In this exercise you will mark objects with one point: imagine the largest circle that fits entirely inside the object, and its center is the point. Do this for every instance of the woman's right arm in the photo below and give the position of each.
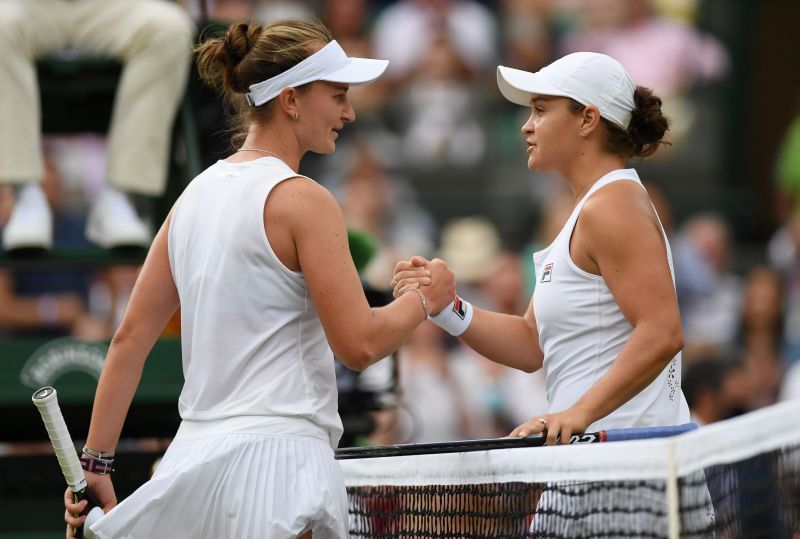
(358, 334)
(503, 338)
(154, 299)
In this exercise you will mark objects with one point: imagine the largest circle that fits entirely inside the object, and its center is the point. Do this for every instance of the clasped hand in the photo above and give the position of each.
(434, 278)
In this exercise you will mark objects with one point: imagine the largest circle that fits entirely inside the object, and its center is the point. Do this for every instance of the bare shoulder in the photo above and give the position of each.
(300, 197)
(618, 224)
(300, 188)
(619, 210)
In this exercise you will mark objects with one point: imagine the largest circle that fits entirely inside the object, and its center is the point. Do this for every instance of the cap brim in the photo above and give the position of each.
(520, 86)
(358, 71)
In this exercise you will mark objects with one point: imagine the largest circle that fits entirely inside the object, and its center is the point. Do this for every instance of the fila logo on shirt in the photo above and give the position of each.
(547, 274)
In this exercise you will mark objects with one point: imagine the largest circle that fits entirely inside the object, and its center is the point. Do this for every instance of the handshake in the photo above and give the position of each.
(436, 284)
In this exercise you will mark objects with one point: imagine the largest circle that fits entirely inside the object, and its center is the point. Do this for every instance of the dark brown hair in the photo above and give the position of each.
(645, 131)
(251, 53)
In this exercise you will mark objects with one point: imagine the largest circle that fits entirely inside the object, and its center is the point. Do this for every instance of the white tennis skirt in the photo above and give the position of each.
(236, 486)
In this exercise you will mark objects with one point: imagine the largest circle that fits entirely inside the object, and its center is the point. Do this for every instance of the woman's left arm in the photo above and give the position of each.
(618, 236)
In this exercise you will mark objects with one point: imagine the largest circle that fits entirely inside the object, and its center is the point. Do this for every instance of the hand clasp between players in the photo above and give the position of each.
(434, 278)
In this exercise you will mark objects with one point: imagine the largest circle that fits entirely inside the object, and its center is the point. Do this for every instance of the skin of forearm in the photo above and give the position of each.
(390, 327)
(368, 336)
(646, 353)
(504, 339)
(115, 390)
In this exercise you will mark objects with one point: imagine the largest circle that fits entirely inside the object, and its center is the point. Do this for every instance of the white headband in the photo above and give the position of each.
(330, 63)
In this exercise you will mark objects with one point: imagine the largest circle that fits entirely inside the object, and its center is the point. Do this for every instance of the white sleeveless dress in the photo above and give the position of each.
(253, 457)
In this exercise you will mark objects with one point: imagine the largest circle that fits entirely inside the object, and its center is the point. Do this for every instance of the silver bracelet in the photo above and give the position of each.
(424, 302)
(104, 455)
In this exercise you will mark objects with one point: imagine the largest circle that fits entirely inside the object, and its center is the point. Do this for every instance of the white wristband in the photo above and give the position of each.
(455, 318)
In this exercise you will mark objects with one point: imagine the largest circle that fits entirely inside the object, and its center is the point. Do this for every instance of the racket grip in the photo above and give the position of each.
(84, 494)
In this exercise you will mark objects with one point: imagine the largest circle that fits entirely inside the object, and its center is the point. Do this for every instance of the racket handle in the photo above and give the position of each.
(84, 494)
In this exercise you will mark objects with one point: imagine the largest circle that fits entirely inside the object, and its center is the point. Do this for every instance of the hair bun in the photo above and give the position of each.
(237, 44)
(648, 124)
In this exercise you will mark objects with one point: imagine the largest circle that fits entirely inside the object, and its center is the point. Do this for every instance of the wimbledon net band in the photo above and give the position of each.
(738, 478)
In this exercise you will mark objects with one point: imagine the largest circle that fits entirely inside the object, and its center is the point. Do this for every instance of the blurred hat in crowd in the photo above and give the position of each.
(470, 246)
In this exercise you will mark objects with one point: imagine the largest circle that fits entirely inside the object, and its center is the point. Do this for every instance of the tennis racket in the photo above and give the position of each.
(535, 440)
(46, 401)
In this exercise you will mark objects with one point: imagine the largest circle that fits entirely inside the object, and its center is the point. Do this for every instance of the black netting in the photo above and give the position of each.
(756, 497)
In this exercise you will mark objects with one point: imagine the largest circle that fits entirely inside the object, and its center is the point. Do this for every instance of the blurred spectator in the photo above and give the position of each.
(442, 394)
(269, 11)
(788, 173)
(471, 246)
(633, 32)
(377, 201)
(663, 207)
(784, 255)
(348, 22)
(790, 384)
(526, 37)
(493, 278)
(84, 304)
(709, 294)
(406, 30)
(440, 105)
(514, 395)
(760, 336)
(204, 11)
(50, 313)
(43, 303)
(153, 40)
(715, 389)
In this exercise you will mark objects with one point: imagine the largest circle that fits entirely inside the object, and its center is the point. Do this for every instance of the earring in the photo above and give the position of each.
(296, 116)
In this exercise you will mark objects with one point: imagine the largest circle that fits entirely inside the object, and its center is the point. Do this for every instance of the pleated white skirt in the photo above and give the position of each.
(237, 486)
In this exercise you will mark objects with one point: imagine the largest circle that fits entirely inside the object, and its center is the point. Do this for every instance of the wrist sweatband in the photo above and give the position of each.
(455, 318)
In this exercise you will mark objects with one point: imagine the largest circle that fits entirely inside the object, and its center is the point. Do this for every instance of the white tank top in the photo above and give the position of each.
(582, 331)
(254, 351)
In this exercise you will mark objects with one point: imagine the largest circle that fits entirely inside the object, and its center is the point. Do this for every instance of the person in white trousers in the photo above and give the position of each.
(153, 40)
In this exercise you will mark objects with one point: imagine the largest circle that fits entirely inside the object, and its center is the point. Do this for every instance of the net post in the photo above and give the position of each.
(673, 502)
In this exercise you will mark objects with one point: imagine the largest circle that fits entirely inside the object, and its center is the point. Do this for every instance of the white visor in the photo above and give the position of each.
(587, 77)
(330, 63)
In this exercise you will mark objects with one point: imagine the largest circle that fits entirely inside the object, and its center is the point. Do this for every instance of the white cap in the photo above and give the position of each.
(330, 63)
(590, 78)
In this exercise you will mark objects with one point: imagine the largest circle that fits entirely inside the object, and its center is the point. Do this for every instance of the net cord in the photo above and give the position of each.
(721, 443)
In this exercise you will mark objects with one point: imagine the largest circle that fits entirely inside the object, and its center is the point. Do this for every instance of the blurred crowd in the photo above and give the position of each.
(435, 166)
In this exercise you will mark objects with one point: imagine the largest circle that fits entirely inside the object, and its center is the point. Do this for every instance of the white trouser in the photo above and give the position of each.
(152, 38)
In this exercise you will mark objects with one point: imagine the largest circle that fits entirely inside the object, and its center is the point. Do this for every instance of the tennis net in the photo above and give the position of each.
(737, 478)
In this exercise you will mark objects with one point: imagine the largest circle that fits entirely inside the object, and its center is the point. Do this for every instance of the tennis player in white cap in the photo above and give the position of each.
(256, 257)
(603, 321)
